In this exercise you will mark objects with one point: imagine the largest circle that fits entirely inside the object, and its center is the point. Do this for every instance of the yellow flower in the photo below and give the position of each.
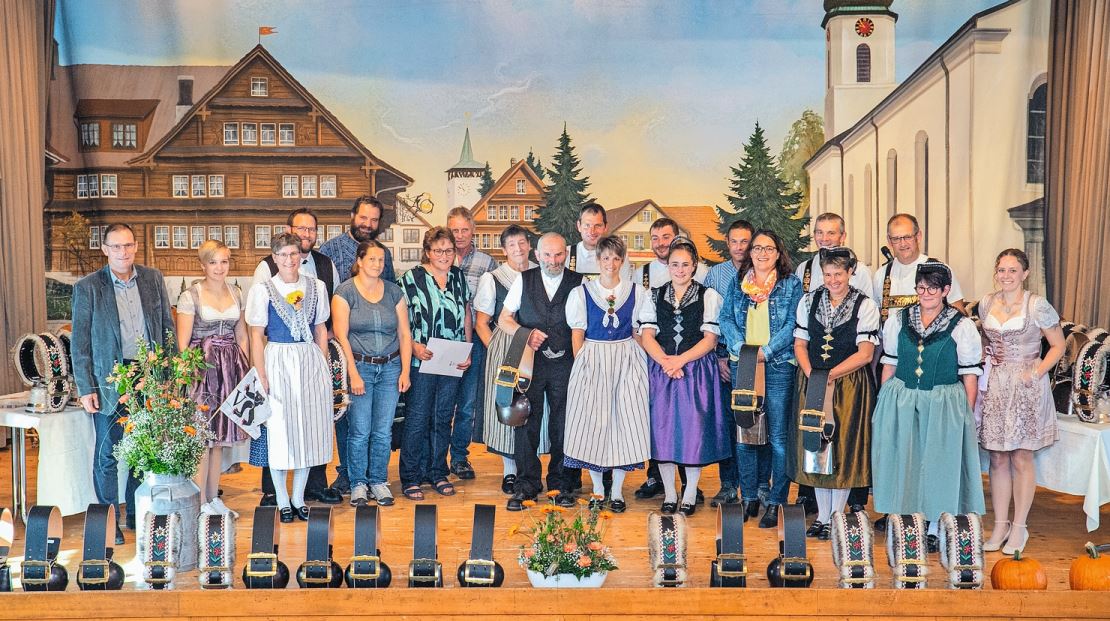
(597, 497)
(549, 509)
(605, 515)
(203, 408)
(129, 427)
(552, 493)
(189, 429)
(583, 502)
(513, 530)
(529, 503)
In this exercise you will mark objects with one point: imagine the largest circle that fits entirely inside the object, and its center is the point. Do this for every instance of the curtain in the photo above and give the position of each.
(1077, 184)
(26, 48)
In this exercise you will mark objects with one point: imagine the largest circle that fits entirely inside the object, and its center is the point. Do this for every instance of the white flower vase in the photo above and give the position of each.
(566, 581)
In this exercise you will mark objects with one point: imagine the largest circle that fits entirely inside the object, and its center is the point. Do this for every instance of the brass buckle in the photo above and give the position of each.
(732, 556)
(262, 573)
(436, 576)
(740, 406)
(963, 567)
(152, 565)
(477, 562)
(913, 579)
(44, 565)
(854, 563)
(83, 579)
(794, 560)
(366, 558)
(512, 372)
(325, 565)
(857, 580)
(810, 413)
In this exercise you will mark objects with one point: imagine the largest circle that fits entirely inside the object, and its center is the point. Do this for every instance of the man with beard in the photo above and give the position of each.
(656, 274)
(366, 215)
(302, 223)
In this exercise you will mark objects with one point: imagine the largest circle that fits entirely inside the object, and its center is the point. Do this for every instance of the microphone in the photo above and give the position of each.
(886, 253)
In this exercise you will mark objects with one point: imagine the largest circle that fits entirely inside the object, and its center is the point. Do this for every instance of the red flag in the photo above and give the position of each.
(266, 30)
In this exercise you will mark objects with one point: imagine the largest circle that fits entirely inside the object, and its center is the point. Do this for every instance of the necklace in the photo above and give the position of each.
(1009, 307)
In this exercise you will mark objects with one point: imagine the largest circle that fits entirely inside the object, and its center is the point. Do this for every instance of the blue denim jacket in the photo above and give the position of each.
(783, 307)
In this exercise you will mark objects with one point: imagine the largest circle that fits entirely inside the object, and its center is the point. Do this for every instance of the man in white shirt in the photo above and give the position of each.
(592, 225)
(829, 232)
(656, 274)
(894, 284)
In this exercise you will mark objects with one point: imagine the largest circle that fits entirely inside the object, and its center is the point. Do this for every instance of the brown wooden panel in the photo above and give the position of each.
(65, 186)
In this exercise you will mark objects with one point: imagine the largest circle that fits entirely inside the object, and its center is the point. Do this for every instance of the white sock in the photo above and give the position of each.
(599, 484)
(839, 498)
(824, 504)
(508, 466)
(617, 491)
(691, 495)
(300, 480)
(934, 527)
(281, 492)
(667, 472)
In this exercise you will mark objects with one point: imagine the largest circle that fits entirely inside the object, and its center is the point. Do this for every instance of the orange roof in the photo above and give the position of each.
(701, 222)
(619, 216)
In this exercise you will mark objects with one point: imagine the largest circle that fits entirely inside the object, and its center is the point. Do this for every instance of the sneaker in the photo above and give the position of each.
(358, 495)
(342, 484)
(463, 470)
(381, 493)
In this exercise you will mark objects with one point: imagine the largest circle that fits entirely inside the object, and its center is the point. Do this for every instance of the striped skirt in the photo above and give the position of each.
(300, 427)
(498, 437)
(608, 423)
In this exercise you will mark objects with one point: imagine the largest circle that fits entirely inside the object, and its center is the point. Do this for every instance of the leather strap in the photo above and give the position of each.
(29, 355)
(667, 549)
(795, 565)
(817, 423)
(216, 537)
(515, 372)
(262, 562)
(480, 568)
(961, 550)
(1088, 371)
(730, 569)
(42, 540)
(366, 564)
(100, 522)
(852, 541)
(318, 570)
(906, 550)
(747, 396)
(425, 570)
(160, 550)
(7, 536)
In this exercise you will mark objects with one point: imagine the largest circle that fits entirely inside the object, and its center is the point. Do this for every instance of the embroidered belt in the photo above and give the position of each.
(667, 549)
(514, 375)
(425, 570)
(340, 382)
(263, 569)
(791, 569)
(817, 424)
(42, 359)
(161, 547)
(1089, 371)
(367, 570)
(216, 536)
(906, 550)
(319, 570)
(7, 536)
(480, 570)
(98, 572)
(730, 568)
(40, 569)
(852, 541)
(747, 397)
(961, 550)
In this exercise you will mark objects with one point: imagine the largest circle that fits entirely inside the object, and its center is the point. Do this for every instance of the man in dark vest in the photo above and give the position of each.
(302, 222)
(537, 301)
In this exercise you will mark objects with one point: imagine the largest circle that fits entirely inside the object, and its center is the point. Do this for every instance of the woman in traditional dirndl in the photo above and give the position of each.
(679, 331)
(608, 424)
(289, 310)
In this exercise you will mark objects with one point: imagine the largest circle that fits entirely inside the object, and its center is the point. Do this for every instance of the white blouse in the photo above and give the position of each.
(969, 345)
(867, 324)
(1044, 316)
(576, 301)
(185, 306)
(485, 299)
(258, 300)
(647, 318)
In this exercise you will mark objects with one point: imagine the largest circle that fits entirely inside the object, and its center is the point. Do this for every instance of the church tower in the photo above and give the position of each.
(859, 59)
(464, 178)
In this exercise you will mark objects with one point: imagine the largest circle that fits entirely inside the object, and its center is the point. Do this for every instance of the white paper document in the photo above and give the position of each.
(446, 356)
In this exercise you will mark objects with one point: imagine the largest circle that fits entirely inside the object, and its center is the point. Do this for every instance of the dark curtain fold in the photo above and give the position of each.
(1077, 184)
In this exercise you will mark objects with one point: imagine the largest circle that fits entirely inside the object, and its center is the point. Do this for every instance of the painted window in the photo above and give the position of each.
(250, 133)
(863, 63)
(181, 186)
(308, 186)
(231, 133)
(90, 135)
(286, 135)
(386, 235)
(124, 135)
(109, 185)
(215, 185)
(161, 236)
(410, 255)
(638, 241)
(269, 134)
(327, 186)
(529, 213)
(514, 212)
(1035, 143)
(504, 212)
(94, 237)
(199, 187)
(334, 230)
(94, 186)
(180, 237)
(261, 236)
(216, 232)
(231, 235)
(411, 236)
(520, 186)
(196, 236)
(82, 186)
(260, 87)
(289, 186)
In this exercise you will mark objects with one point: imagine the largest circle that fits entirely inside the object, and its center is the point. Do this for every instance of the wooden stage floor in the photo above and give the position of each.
(1056, 526)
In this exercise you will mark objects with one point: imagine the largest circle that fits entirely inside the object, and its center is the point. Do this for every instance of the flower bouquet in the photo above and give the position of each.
(565, 547)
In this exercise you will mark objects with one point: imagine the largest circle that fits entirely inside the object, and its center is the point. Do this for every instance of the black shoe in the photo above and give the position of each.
(286, 514)
(727, 496)
(342, 484)
(668, 508)
(880, 524)
(770, 517)
(826, 533)
(650, 489)
(129, 521)
(687, 509)
(328, 496)
(302, 513)
(268, 500)
(596, 503)
(119, 536)
(700, 498)
(508, 483)
(814, 529)
(220, 493)
(857, 509)
(516, 501)
(463, 470)
(809, 504)
(932, 544)
(751, 509)
(564, 499)
(617, 506)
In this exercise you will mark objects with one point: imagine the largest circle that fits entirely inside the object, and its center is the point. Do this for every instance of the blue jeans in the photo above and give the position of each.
(767, 463)
(463, 429)
(430, 405)
(370, 422)
(105, 465)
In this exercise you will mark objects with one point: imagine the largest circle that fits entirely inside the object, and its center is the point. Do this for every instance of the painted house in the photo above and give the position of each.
(632, 223)
(515, 198)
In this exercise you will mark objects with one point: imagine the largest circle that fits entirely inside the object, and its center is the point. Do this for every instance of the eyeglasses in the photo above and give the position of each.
(287, 256)
(763, 249)
(922, 290)
(305, 229)
(901, 239)
(121, 247)
(442, 252)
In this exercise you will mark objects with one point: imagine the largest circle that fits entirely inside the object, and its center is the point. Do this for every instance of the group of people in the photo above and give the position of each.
(631, 368)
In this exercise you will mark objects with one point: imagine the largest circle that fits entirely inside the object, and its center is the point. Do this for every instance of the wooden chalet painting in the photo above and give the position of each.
(131, 144)
(515, 198)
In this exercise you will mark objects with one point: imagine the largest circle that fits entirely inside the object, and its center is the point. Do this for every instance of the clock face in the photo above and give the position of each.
(465, 187)
(864, 26)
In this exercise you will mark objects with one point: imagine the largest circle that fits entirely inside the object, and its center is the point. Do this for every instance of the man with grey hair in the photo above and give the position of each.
(537, 302)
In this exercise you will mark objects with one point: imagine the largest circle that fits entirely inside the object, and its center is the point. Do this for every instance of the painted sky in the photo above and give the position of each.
(658, 96)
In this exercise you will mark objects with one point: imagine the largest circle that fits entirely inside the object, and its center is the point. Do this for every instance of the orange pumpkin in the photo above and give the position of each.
(1092, 571)
(1018, 574)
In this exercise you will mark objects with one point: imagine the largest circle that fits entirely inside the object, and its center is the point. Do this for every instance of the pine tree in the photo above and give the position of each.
(536, 164)
(805, 137)
(565, 194)
(487, 180)
(760, 196)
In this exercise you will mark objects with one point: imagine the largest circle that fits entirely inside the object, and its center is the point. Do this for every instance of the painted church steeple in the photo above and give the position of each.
(464, 178)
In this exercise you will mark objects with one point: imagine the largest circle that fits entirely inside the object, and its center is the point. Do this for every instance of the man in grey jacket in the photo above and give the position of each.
(113, 309)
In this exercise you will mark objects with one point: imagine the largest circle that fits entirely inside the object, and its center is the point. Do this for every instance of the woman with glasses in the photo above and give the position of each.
(289, 310)
(924, 453)
(1018, 413)
(437, 297)
(689, 424)
(759, 310)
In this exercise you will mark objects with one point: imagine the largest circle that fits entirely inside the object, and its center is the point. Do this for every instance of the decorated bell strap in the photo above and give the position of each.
(66, 337)
(263, 569)
(425, 570)
(1089, 371)
(162, 545)
(514, 375)
(480, 570)
(730, 568)
(43, 538)
(366, 570)
(747, 396)
(30, 355)
(791, 569)
(961, 550)
(340, 382)
(852, 541)
(97, 571)
(7, 536)
(56, 359)
(216, 542)
(667, 549)
(906, 550)
(817, 424)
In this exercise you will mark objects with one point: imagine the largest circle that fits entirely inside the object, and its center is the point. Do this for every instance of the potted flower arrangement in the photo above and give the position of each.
(565, 547)
(164, 437)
